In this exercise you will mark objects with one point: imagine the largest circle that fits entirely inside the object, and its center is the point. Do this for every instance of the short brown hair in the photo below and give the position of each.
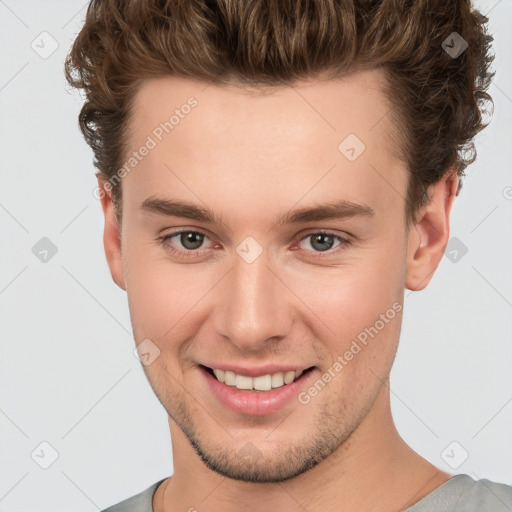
(438, 98)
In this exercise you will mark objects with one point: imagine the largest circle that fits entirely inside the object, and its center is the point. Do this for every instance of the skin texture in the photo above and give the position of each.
(252, 158)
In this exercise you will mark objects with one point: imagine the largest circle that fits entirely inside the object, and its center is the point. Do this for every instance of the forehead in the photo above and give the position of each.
(315, 138)
(354, 103)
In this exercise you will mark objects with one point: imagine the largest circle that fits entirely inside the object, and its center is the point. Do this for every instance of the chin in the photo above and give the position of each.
(250, 465)
(273, 464)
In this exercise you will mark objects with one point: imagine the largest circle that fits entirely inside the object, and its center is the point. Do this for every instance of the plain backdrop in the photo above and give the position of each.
(74, 398)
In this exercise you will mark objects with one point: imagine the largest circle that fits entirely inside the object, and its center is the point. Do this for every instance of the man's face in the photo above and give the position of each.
(250, 294)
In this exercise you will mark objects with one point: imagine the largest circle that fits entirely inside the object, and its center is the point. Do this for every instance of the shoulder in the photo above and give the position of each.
(142, 502)
(463, 494)
(485, 495)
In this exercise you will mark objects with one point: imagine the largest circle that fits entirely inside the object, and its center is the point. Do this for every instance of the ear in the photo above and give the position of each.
(429, 234)
(111, 234)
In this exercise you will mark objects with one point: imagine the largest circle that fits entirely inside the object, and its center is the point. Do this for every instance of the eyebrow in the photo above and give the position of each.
(334, 210)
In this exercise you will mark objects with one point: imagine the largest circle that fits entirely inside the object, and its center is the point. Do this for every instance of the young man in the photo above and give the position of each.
(274, 174)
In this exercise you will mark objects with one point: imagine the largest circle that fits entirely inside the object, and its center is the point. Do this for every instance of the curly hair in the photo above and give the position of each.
(438, 98)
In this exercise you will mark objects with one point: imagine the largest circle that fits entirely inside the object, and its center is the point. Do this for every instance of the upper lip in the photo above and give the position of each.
(257, 371)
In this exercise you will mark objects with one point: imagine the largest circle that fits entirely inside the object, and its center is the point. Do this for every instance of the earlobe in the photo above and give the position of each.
(111, 234)
(429, 234)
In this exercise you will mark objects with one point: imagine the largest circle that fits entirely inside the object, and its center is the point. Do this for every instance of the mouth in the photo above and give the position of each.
(258, 383)
(255, 391)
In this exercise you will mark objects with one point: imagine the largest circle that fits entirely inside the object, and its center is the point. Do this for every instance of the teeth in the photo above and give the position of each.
(289, 377)
(229, 378)
(243, 382)
(261, 383)
(219, 374)
(277, 380)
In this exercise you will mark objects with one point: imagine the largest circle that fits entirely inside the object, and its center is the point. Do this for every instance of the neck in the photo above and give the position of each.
(373, 470)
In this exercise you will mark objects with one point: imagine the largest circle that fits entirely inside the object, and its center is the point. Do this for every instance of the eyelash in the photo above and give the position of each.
(344, 242)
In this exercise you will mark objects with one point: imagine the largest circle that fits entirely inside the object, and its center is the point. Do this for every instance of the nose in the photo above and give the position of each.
(254, 306)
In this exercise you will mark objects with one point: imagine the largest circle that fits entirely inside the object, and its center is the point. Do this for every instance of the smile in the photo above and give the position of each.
(264, 391)
(260, 383)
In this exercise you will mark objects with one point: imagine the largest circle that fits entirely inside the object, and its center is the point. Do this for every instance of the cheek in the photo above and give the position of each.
(156, 295)
(350, 298)
(360, 302)
(340, 301)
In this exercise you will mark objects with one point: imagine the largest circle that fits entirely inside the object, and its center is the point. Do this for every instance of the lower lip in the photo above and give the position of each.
(255, 403)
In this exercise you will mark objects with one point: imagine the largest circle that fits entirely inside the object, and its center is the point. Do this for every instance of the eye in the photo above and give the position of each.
(323, 241)
(189, 240)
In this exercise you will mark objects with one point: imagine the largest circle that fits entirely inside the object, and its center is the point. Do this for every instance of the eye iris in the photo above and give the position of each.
(190, 237)
(322, 242)
(192, 240)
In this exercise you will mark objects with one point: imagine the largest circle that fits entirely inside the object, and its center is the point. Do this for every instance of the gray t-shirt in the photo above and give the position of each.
(459, 494)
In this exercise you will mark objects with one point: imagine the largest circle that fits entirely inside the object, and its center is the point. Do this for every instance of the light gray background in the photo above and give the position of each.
(68, 373)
